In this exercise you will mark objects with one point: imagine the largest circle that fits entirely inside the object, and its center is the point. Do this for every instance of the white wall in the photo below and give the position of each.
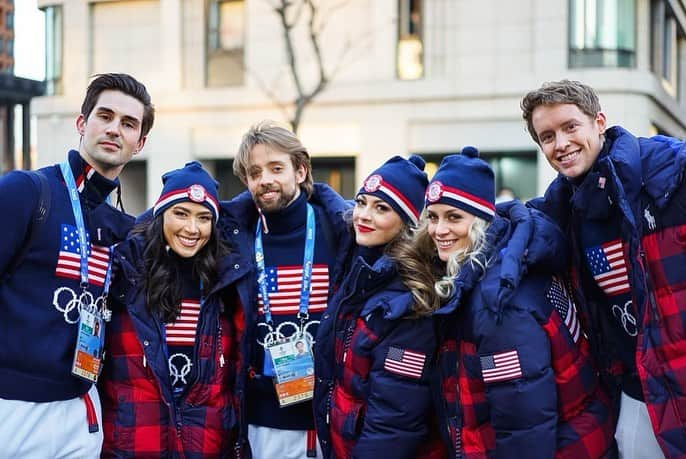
(482, 57)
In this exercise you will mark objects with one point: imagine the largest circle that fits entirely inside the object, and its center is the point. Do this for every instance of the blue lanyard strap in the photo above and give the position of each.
(308, 257)
(78, 217)
(81, 229)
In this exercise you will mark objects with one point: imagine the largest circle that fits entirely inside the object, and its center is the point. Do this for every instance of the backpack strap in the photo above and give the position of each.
(40, 215)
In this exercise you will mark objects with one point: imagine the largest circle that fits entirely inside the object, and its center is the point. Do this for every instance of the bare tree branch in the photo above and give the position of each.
(305, 98)
(329, 14)
(298, 13)
(290, 14)
(282, 12)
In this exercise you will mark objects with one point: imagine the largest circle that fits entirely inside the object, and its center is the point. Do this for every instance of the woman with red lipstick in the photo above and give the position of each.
(375, 344)
(516, 379)
(167, 387)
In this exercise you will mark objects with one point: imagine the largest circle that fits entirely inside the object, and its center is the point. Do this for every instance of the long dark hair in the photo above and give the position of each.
(162, 279)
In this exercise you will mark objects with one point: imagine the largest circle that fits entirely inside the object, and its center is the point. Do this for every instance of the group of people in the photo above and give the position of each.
(418, 321)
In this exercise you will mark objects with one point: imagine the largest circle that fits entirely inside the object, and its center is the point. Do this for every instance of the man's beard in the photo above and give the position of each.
(281, 203)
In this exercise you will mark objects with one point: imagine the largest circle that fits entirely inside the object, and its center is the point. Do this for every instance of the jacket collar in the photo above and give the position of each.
(93, 187)
(391, 297)
(290, 219)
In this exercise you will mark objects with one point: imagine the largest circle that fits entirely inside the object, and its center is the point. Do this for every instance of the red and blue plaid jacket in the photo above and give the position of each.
(644, 179)
(141, 418)
(373, 365)
(516, 376)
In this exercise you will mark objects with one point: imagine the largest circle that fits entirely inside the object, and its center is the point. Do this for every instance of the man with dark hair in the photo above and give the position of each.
(54, 270)
(622, 199)
(293, 230)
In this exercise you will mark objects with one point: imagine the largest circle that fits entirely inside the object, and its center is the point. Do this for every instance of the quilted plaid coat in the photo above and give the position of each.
(644, 181)
(141, 417)
(516, 376)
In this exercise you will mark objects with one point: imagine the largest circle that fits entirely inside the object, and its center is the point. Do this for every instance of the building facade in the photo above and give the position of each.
(407, 76)
(6, 36)
(14, 92)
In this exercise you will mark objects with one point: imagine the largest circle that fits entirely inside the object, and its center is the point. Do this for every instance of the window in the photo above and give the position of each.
(10, 19)
(410, 51)
(10, 47)
(602, 33)
(225, 42)
(667, 46)
(53, 50)
(339, 173)
(111, 49)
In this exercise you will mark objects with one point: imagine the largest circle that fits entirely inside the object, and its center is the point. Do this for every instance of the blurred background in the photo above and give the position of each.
(359, 80)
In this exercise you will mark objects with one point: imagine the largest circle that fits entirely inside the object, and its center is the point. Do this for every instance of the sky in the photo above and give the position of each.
(29, 40)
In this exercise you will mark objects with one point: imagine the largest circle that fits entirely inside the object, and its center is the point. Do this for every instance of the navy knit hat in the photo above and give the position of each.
(466, 182)
(400, 183)
(191, 183)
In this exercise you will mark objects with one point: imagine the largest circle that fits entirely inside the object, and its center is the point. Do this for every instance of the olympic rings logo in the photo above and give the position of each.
(624, 316)
(180, 371)
(284, 331)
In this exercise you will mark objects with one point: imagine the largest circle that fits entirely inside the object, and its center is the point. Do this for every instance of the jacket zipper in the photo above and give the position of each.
(345, 348)
(649, 289)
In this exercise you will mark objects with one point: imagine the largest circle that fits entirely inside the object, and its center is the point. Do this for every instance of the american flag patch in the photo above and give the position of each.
(500, 367)
(182, 331)
(69, 259)
(559, 297)
(404, 362)
(609, 267)
(284, 284)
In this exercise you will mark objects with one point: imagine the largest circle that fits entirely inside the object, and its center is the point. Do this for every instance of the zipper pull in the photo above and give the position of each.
(145, 362)
(221, 360)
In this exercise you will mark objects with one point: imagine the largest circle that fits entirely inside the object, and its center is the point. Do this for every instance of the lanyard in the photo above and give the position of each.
(308, 257)
(81, 229)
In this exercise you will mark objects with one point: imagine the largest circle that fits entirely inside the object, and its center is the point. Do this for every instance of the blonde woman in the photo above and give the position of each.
(516, 379)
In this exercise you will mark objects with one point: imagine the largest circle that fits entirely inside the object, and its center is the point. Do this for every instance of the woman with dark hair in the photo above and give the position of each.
(516, 379)
(172, 345)
(375, 343)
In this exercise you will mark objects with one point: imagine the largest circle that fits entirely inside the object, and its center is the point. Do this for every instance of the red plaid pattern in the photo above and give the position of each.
(648, 189)
(664, 342)
(585, 427)
(347, 407)
(136, 420)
